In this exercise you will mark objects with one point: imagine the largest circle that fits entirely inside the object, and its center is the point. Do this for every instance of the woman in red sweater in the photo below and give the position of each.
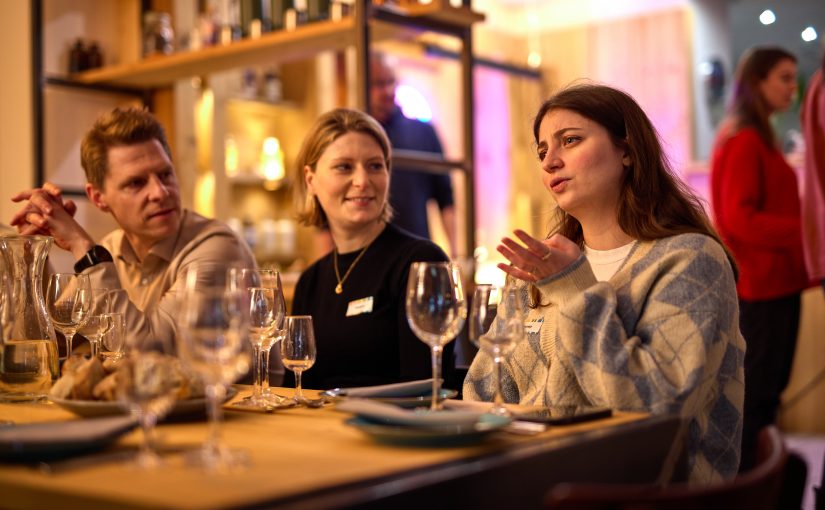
(757, 212)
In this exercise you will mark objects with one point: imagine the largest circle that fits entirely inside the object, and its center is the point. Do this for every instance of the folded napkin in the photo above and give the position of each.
(404, 389)
(394, 415)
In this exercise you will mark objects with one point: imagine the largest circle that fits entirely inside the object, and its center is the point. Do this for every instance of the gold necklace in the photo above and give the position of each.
(340, 287)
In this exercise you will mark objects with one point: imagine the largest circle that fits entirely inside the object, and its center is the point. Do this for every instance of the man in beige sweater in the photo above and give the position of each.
(130, 175)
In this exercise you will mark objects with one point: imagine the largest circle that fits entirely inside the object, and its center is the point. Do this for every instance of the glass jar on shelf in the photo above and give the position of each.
(158, 35)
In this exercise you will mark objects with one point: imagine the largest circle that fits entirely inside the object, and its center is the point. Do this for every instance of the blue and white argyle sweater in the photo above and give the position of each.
(662, 336)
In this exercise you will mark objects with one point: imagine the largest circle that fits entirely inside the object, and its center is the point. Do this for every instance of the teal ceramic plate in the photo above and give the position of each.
(454, 435)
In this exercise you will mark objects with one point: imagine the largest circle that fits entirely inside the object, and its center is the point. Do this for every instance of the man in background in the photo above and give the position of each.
(130, 175)
(410, 189)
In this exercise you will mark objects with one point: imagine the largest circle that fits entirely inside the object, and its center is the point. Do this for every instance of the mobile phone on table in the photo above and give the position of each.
(565, 415)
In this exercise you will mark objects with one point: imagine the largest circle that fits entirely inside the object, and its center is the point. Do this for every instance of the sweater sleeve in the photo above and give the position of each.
(669, 360)
(742, 190)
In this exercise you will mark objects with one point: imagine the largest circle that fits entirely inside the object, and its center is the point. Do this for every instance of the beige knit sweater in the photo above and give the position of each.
(662, 336)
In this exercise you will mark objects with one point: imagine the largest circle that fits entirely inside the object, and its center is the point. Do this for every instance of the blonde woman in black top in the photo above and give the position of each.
(355, 293)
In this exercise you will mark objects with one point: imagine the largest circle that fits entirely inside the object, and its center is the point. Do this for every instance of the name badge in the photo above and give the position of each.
(533, 326)
(359, 306)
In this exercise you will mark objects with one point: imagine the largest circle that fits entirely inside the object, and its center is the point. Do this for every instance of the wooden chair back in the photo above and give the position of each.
(758, 489)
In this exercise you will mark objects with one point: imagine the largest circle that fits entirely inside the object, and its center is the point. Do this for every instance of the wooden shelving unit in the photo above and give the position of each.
(156, 76)
(272, 48)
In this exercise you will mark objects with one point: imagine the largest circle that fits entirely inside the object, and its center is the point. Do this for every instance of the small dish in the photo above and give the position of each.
(440, 436)
(187, 408)
(43, 441)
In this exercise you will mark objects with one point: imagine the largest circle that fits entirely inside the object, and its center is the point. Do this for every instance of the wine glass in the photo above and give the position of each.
(148, 384)
(96, 323)
(261, 303)
(496, 326)
(69, 300)
(298, 349)
(436, 310)
(246, 278)
(214, 326)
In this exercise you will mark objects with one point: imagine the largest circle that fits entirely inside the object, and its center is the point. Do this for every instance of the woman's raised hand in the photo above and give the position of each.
(537, 259)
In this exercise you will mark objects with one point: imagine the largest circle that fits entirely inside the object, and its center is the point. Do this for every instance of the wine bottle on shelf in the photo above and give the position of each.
(229, 21)
(94, 57)
(277, 13)
(318, 10)
(78, 57)
(255, 17)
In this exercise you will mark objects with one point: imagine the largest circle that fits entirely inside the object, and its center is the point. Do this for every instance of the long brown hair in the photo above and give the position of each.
(748, 107)
(653, 202)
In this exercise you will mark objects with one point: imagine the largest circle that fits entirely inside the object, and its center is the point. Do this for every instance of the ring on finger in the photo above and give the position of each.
(547, 255)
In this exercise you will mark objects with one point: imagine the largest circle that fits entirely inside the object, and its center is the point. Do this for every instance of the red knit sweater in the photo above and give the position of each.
(756, 208)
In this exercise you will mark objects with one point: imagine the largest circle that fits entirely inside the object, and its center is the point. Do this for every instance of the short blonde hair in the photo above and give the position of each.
(327, 128)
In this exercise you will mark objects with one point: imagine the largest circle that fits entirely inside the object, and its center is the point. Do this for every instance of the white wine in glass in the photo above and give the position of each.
(298, 350)
(436, 310)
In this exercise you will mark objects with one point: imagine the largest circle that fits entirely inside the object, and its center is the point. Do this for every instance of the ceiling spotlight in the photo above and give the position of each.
(809, 34)
(767, 17)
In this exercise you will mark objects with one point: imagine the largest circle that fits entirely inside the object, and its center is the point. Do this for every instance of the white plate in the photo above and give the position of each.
(41, 441)
(89, 408)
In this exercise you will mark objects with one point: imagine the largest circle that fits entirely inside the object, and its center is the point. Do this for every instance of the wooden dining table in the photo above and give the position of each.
(310, 458)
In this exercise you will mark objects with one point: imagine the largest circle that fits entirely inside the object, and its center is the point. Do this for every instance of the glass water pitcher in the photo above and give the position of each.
(28, 346)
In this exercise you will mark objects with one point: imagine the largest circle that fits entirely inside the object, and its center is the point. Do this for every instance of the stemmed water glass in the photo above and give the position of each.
(496, 325)
(263, 336)
(97, 323)
(147, 387)
(436, 310)
(298, 349)
(214, 326)
(69, 300)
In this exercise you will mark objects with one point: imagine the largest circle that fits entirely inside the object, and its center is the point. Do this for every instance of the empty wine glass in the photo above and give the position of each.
(148, 384)
(436, 310)
(96, 323)
(69, 300)
(247, 278)
(261, 303)
(298, 349)
(496, 326)
(214, 326)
